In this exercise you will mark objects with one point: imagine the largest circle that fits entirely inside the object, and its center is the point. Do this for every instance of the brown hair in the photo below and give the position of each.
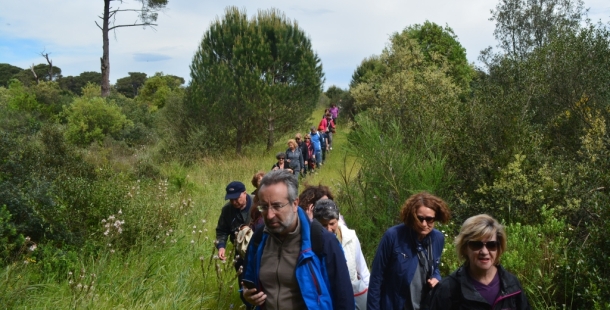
(478, 228)
(256, 178)
(312, 194)
(408, 212)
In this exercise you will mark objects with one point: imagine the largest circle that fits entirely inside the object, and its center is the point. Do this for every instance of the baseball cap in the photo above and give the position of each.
(234, 190)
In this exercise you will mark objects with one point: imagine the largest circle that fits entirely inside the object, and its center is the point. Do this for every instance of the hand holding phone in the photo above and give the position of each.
(248, 284)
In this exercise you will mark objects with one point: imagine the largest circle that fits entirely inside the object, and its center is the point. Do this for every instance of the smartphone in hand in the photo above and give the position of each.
(248, 284)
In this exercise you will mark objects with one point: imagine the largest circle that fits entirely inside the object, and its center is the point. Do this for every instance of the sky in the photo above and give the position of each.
(342, 32)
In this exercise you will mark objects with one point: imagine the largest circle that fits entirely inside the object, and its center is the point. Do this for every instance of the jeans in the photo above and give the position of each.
(318, 158)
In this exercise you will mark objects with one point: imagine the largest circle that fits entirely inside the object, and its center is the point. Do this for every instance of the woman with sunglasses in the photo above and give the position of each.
(405, 267)
(281, 163)
(481, 282)
(326, 212)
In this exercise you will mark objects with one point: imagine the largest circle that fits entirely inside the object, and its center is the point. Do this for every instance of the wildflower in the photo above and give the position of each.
(120, 211)
(27, 239)
(205, 229)
(70, 273)
(112, 251)
(201, 258)
(193, 231)
(79, 286)
(215, 257)
(206, 238)
(203, 221)
(194, 226)
(103, 220)
(192, 241)
(106, 233)
(200, 231)
(32, 248)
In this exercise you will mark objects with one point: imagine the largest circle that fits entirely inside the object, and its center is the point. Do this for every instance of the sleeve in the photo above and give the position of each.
(441, 295)
(223, 229)
(523, 303)
(361, 267)
(439, 246)
(338, 275)
(380, 262)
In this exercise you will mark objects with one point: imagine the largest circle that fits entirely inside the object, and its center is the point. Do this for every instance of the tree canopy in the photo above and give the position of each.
(252, 78)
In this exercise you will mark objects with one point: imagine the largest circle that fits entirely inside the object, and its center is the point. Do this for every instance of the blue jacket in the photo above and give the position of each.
(395, 264)
(323, 278)
(316, 140)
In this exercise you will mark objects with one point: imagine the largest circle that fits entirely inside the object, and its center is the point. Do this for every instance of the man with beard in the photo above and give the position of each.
(291, 262)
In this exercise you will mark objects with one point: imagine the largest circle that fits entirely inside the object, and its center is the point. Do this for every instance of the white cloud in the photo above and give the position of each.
(342, 32)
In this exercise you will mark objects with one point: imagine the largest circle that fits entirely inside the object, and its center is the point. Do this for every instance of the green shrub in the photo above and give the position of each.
(391, 170)
(91, 119)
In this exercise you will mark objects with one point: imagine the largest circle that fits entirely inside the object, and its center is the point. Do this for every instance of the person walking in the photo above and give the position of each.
(405, 267)
(294, 157)
(292, 263)
(481, 282)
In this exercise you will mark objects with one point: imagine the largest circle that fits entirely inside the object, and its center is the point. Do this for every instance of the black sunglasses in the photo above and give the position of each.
(477, 245)
(428, 219)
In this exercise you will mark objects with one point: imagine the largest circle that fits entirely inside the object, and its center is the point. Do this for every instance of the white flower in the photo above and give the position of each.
(192, 241)
(120, 211)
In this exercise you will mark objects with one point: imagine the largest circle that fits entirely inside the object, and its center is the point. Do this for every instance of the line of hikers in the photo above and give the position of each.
(295, 251)
(306, 154)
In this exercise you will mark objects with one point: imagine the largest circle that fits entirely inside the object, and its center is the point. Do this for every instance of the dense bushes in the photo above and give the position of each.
(530, 146)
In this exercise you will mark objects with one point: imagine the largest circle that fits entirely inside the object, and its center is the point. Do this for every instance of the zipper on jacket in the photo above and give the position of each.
(504, 297)
(315, 280)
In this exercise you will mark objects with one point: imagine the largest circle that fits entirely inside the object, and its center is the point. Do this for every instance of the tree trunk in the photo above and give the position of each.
(105, 60)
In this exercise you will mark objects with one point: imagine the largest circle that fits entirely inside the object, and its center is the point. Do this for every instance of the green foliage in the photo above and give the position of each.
(250, 77)
(130, 85)
(76, 83)
(435, 41)
(8, 233)
(391, 169)
(7, 72)
(92, 119)
(157, 89)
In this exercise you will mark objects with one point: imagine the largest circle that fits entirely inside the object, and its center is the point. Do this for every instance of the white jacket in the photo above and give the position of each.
(358, 270)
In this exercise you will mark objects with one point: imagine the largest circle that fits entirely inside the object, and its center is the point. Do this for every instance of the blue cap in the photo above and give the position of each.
(234, 190)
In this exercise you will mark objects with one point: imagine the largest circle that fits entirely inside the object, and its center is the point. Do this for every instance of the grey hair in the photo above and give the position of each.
(282, 176)
(280, 155)
(325, 209)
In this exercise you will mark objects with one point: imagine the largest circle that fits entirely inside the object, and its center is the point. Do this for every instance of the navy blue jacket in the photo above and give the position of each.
(323, 277)
(395, 264)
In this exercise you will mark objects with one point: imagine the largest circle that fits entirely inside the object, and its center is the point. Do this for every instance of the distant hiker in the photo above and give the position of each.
(311, 164)
(256, 218)
(281, 162)
(292, 263)
(316, 140)
(327, 126)
(334, 112)
(294, 157)
(303, 147)
(323, 143)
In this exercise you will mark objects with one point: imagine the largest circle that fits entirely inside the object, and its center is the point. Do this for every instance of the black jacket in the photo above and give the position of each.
(456, 292)
(230, 220)
(304, 151)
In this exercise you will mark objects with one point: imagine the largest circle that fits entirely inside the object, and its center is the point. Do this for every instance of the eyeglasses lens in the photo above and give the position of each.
(478, 245)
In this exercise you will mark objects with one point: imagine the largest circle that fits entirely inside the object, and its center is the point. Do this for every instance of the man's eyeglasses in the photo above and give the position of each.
(428, 219)
(477, 245)
(276, 208)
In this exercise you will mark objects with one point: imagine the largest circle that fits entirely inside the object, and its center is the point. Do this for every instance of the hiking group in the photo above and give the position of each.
(295, 251)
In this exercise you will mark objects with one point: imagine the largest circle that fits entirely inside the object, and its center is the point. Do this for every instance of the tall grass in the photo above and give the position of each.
(173, 265)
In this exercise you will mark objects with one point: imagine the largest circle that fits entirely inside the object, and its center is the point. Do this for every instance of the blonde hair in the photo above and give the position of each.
(293, 142)
(478, 228)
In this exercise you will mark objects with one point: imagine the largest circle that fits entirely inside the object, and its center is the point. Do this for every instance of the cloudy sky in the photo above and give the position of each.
(342, 32)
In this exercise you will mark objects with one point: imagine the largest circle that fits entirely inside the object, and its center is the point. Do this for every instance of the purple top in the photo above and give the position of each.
(489, 292)
(334, 111)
